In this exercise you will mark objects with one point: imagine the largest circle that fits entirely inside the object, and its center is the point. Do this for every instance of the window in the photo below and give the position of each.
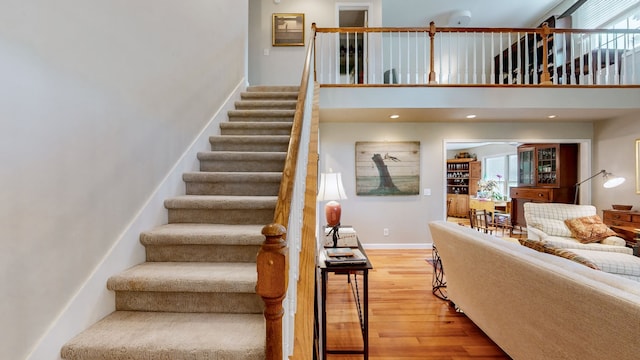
(503, 169)
(595, 14)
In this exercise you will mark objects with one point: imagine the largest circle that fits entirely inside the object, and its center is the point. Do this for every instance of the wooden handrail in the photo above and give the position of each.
(273, 261)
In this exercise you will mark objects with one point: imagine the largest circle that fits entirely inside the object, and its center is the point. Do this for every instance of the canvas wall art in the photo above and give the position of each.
(388, 168)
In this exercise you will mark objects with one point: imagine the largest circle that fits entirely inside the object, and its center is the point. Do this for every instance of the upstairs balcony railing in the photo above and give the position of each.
(477, 56)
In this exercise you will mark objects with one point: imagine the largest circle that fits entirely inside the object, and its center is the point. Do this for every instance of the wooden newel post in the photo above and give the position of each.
(432, 34)
(545, 77)
(273, 268)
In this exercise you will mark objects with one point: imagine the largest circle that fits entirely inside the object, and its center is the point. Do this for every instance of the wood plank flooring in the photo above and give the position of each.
(406, 321)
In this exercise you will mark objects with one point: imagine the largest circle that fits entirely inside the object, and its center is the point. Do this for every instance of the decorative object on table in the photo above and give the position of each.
(331, 190)
(622, 207)
(489, 189)
(388, 168)
(347, 237)
(356, 257)
(287, 30)
(609, 181)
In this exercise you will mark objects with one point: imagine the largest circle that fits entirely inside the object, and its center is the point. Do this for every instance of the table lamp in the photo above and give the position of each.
(610, 181)
(331, 189)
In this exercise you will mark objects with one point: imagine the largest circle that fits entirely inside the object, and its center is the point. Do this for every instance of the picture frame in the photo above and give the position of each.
(287, 29)
(637, 166)
(387, 168)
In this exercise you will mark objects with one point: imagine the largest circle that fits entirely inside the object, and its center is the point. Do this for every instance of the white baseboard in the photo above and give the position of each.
(93, 301)
(398, 246)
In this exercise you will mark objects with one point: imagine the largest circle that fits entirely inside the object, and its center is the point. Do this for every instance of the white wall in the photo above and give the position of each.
(406, 217)
(283, 64)
(98, 101)
(614, 151)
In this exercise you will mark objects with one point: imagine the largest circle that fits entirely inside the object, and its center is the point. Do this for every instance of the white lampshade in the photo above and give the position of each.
(331, 187)
(611, 181)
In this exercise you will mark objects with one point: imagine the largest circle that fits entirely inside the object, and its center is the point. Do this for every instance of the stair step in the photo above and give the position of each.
(268, 95)
(275, 143)
(242, 161)
(216, 209)
(125, 335)
(188, 287)
(261, 115)
(255, 128)
(266, 104)
(203, 242)
(273, 88)
(232, 183)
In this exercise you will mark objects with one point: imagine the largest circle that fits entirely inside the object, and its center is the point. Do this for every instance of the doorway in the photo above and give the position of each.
(353, 47)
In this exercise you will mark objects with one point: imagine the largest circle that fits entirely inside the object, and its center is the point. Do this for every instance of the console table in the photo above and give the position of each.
(362, 304)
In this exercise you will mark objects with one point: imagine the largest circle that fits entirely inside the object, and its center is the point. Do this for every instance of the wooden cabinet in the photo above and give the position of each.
(546, 173)
(547, 165)
(458, 206)
(462, 180)
(624, 223)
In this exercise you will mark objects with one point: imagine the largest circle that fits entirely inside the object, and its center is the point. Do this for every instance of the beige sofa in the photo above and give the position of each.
(535, 305)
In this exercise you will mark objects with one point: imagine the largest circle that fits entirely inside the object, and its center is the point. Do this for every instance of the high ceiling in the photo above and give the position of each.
(483, 13)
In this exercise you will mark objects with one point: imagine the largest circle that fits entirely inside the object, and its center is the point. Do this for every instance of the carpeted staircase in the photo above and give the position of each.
(194, 297)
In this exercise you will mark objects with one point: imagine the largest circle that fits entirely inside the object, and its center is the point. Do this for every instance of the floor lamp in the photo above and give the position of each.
(610, 181)
(331, 190)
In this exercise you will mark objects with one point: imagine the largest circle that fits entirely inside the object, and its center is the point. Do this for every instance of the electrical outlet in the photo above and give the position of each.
(385, 231)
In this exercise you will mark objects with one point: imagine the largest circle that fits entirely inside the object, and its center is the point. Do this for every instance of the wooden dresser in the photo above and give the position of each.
(625, 223)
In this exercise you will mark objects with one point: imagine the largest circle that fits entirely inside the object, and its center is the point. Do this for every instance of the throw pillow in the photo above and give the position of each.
(534, 244)
(543, 246)
(589, 229)
(574, 257)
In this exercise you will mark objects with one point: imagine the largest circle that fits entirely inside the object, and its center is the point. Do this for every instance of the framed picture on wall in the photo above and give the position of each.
(287, 30)
(388, 168)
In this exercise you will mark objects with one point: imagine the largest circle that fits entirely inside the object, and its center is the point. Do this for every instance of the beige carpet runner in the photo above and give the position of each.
(194, 297)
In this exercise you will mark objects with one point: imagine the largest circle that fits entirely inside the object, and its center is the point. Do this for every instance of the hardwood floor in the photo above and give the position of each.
(406, 321)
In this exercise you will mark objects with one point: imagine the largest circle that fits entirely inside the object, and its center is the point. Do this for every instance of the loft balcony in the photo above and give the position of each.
(502, 74)
(450, 56)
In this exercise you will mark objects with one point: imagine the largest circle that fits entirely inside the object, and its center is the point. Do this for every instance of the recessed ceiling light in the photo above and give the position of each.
(471, 116)
(394, 116)
(552, 116)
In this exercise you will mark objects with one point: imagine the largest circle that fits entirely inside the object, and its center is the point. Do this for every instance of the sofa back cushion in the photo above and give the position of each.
(549, 217)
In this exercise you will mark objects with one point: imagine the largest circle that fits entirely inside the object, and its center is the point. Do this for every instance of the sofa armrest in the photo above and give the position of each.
(536, 234)
(614, 240)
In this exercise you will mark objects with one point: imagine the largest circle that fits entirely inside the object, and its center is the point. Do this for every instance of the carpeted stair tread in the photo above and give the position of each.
(194, 277)
(240, 156)
(264, 95)
(265, 104)
(232, 183)
(249, 142)
(256, 128)
(220, 202)
(203, 234)
(272, 88)
(261, 115)
(127, 335)
(247, 177)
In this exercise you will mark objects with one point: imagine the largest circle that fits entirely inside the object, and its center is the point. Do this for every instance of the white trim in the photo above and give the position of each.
(93, 301)
(420, 246)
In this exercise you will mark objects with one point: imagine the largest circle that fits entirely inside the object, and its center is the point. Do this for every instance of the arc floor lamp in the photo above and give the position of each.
(610, 181)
